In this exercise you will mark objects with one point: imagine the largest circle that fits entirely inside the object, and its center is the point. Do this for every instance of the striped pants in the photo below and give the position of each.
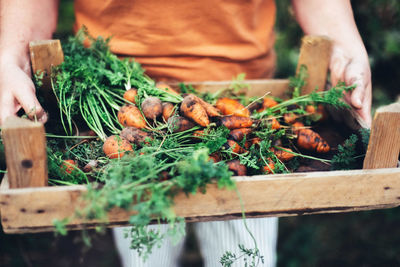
(215, 238)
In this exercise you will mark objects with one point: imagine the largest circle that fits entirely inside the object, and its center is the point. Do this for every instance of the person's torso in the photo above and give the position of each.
(187, 40)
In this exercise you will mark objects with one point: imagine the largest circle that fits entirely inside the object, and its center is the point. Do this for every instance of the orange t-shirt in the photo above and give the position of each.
(187, 40)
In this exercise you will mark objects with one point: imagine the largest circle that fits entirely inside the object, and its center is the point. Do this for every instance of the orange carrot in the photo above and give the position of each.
(274, 123)
(216, 157)
(229, 106)
(68, 166)
(235, 147)
(198, 133)
(239, 134)
(179, 124)
(236, 167)
(115, 147)
(283, 156)
(310, 140)
(289, 118)
(210, 109)
(152, 107)
(236, 122)
(167, 110)
(310, 109)
(270, 167)
(192, 109)
(268, 102)
(130, 95)
(129, 115)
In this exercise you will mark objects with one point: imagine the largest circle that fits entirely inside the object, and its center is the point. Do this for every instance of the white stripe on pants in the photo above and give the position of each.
(215, 238)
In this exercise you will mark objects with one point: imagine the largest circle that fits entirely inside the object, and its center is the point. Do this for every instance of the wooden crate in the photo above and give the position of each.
(28, 205)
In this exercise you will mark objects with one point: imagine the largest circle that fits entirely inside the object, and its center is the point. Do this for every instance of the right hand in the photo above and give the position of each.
(17, 90)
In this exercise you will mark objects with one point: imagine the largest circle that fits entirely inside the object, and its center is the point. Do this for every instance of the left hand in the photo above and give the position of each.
(353, 68)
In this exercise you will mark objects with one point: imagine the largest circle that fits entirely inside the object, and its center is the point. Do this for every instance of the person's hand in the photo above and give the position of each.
(17, 90)
(353, 68)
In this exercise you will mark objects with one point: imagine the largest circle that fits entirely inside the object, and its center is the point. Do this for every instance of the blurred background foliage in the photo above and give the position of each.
(369, 238)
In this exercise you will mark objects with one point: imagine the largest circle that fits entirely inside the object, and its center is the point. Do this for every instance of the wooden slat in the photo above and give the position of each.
(44, 55)
(384, 143)
(276, 87)
(25, 147)
(33, 209)
(315, 54)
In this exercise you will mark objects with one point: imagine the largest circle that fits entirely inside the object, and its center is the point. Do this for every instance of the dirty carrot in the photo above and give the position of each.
(167, 110)
(130, 115)
(152, 107)
(236, 167)
(236, 122)
(115, 147)
(179, 124)
(239, 134)
(135, 135)
(192, 109)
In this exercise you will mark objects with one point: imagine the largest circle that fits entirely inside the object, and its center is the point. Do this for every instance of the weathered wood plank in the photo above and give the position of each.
(33, 209)
(25, 147)
(384, 143)
(44, 55)
(315, 54)
(276, 87)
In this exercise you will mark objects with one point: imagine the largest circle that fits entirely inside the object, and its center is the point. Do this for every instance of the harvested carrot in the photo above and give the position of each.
(68, 166)
(216, 157)
(192, 109)
(130, 95)
(152, 107)
(210, 109)
(135, 135)
(167, 110)
(229, 106)
(115, 147)
(236, 122)
(282, 155)
(268, 102)
(130, 115)
(270, 167)
(290, 118)
(198, 133)
(310, 140)
(165, 87)
(274, 123)
(310, 109)
(236, 167)
(235, 147)
(179, 124)
(253, 141)
(239, 134)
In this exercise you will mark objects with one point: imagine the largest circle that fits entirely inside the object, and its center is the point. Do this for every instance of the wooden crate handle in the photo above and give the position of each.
(44, 55)
(315, 54)
(384, 142)
(25, 150)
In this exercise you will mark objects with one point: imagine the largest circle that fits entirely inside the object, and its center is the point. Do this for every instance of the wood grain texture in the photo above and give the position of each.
(44, 55)
(275, 87)
(25, 150)
(34, 209)
(315, 54)
(384, 143)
